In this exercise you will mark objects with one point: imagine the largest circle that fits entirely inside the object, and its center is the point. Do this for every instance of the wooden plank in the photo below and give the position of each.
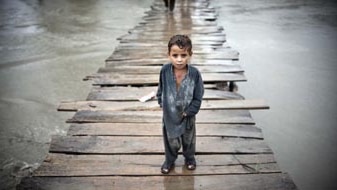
(214, 36)
(162, 23)
(203, 48)
(159, 8)
(127, 69)
(161, 61)
(195, 42)
(186, 29)
(181, 5)
(164, 43)
(161, 44)
(272, 181)
(176, 26)
(190, 4)
(223, 55)
(152, 160)
(204, 116)
(155, 129)
(163, 38)
(149, 165)
(152, 79)
(218, 36)
(183, 31)
(153, 105)
(180, 17)
(206, 49)
(152, 145)
(134, 93)
(168, 36)
(145, 39)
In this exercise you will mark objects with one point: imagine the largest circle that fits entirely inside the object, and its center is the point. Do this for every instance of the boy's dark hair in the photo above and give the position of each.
(182, 41)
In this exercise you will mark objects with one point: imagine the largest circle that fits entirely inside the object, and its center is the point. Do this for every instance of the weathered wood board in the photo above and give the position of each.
(111, 79)
(181, 30)
(156, 69)
(272, 181)
(155, 129)
(194, 38)
(152, 145)
(153, 105)
(156, 62)
(180, 17)
(162, 23)
(160, 9)
(200, 48)
(204, 116)
(206, 49)
(223, 55)
(134, 93)
(148, 165)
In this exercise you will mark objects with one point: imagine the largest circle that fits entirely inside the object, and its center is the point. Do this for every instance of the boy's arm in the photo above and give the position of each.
(159, 90)
(194, 107)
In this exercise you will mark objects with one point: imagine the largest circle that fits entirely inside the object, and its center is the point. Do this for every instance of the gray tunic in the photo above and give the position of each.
(176, 101)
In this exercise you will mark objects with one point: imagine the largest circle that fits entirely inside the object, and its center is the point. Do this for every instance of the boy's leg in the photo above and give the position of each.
(189, 145)
(172, 146)
(166, 3)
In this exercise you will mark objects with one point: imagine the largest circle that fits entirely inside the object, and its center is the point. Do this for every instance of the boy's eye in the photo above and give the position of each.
(182, 55)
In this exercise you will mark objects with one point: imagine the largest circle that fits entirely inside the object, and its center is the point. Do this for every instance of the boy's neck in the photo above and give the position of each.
(183, 70)
(180, 70)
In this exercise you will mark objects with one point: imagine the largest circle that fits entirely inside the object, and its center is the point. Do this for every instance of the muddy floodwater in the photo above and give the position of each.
(287, 48)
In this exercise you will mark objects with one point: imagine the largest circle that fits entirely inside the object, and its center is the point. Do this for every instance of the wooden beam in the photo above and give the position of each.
(127, 69)
(204, 116)
(134, 93)
(155, 129)
(152, 145)
(149, 165)
(153, 105)
(275, 181)
(111, 79)
(223, 55)
(161, 61)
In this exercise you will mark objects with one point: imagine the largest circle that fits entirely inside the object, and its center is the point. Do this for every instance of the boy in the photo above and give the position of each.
(179, 94)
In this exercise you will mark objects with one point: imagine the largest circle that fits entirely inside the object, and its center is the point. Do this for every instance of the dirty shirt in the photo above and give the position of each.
(175, 101)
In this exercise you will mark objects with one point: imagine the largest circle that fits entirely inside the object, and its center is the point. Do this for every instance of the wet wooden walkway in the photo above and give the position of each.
(114, 140)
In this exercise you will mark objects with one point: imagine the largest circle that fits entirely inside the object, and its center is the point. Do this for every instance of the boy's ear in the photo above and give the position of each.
(191, 53)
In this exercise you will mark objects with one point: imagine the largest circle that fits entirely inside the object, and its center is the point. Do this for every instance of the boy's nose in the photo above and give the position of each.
(179, 58)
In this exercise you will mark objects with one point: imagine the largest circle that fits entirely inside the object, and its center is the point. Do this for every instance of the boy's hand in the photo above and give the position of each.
(184, 114)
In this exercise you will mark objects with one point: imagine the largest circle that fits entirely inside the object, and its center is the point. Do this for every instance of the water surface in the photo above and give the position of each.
(289, 51)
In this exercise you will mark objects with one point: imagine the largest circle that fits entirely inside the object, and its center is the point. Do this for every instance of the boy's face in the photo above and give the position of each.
(179, 57)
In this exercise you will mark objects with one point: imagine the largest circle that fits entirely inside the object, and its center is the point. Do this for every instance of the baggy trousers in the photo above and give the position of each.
(172, 145)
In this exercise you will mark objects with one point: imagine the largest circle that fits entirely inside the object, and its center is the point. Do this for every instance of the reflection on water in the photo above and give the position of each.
(178, 182)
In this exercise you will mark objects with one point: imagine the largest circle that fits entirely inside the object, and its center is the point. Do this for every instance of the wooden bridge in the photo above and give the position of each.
(114, 141)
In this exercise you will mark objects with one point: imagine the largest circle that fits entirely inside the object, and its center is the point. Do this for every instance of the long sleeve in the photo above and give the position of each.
(198, 93)
(159, 90)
